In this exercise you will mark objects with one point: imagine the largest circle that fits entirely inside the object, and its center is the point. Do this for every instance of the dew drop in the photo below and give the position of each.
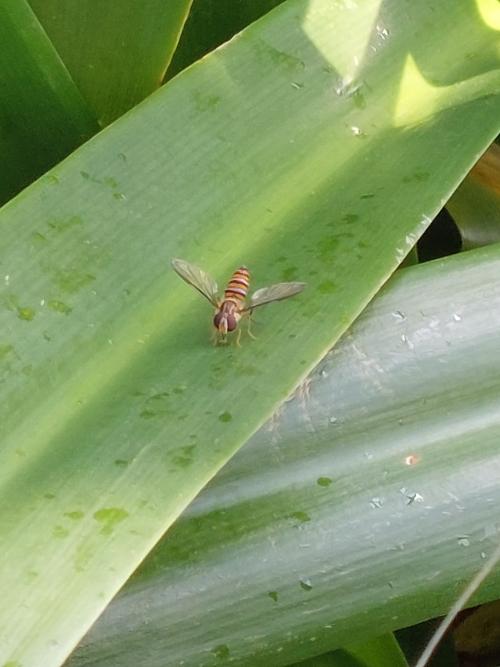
(305, 583)
(414, 498)
(407, 341)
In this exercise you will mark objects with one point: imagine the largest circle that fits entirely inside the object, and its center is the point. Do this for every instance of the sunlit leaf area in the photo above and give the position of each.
(250, 332)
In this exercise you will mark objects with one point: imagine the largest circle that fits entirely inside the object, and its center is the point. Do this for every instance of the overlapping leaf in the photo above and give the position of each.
(117, 52)
(43, 117)
(364, 505)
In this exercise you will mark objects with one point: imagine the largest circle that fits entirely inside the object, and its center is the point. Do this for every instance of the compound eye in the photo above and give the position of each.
(232, 322)
(217, 319)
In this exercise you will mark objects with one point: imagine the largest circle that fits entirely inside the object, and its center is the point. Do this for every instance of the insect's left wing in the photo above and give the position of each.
(198, 279)
(274, 293)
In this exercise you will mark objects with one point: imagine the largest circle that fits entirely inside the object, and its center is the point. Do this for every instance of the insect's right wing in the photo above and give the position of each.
(274, 293)
(198, 279)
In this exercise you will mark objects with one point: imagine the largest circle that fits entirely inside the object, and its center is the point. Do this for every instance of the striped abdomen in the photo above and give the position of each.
(237, 288)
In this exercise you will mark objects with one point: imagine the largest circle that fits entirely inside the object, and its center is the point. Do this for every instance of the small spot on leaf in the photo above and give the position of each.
(62, 224)
(290, 273)
(59, 306)
(5, 350)
(184, 456)
(359, 100)
(25, 313)
(38, 238)
(350, 217)
(326, 287)
(60, 532)
(303, 517)
(221, 651)
(71, 281)
(110, 181)
(109, 518)
(147, 414)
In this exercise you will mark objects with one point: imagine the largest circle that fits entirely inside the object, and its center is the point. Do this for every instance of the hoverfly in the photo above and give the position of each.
(232, 307)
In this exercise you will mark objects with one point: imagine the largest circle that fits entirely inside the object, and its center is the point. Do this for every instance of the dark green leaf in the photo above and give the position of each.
(116, 51)
(42, 115)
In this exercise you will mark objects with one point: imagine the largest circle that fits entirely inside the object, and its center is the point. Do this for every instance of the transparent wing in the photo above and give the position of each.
(274, 293)
(198, 279)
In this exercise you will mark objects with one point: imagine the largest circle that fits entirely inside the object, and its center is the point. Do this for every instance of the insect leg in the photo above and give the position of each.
(249, 326)
(238, 337)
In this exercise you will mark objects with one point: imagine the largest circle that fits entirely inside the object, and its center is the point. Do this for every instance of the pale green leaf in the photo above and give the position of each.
(298, 148)
(366, 504)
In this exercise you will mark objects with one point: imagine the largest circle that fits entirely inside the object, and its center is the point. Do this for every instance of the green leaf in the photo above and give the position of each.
(379, 652)
(294, 152)
(42, 115)
(475, 206)
(117, 52)
(211, 23)
(364, 504)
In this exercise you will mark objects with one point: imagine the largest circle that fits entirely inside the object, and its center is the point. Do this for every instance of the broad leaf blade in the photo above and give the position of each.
(280, 150)
(117, 52)
(364, 505)
(380, 652)
(42, 115)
